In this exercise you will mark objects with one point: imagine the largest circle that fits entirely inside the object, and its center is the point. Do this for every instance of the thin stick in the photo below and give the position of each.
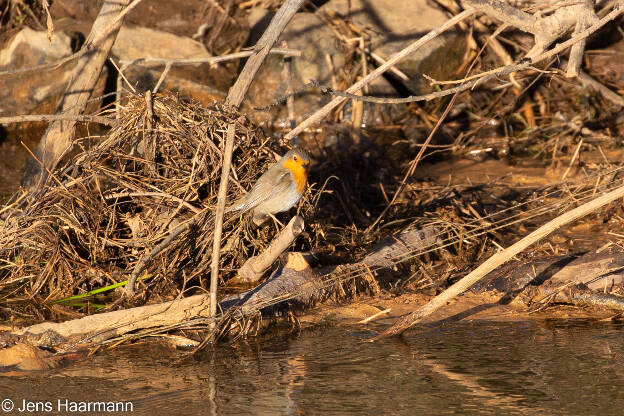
(574, 156)
(375, 316)
(498, 259)
(216, 242)
(290, 101)
(396, 71)
(162, 78)
(234, 99)
(208, 60)
(321, 113)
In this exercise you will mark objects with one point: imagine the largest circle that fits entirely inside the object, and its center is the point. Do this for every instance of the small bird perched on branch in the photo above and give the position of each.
(278, 189)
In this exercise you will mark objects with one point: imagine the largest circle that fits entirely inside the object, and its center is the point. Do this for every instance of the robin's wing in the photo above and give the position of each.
(266, 188)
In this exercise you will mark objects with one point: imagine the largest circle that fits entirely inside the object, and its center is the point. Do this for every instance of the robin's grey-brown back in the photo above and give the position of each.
(278, 189)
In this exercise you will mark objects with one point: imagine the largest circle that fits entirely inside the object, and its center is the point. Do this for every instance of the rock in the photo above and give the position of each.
(26, 358)
(30, 47)
(85, 10)
(35, 91)
(394, 24)
(181, 17)
(198, 81)
(307, 33)
(142, 42)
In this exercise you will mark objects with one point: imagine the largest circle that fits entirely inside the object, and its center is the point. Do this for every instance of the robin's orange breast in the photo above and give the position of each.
(299, 173)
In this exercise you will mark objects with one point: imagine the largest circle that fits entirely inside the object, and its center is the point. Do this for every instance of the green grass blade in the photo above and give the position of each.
(100, 290)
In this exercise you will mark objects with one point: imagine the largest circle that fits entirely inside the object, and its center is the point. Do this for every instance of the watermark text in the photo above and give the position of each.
(65, 406)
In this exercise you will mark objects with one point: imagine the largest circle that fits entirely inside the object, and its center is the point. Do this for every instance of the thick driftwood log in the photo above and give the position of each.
(295, 282)
(99, 327)
(574, 279)
(58, 138)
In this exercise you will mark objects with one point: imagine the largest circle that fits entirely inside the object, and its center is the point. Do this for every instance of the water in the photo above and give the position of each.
(508, 368)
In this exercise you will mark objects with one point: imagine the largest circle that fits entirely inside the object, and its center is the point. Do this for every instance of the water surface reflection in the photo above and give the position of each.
(506, 368)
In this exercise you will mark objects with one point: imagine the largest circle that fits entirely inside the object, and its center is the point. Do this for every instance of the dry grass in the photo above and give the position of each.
(118, 197)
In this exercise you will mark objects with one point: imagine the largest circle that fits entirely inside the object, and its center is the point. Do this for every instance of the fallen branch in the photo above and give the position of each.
(99, 327)
(590, 270)
(255, 267)
(497, 260)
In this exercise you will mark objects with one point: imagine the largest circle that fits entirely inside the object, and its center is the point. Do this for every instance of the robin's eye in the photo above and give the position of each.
(295, 158)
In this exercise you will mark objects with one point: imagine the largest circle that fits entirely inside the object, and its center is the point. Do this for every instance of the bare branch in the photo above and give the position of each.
(255, 267)
(57, 117)
(210, 60)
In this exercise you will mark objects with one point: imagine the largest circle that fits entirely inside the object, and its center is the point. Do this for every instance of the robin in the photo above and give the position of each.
(278, 189)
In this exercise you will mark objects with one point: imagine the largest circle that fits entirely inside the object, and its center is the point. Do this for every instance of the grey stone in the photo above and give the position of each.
(142, 42)
(36, 91)
(394, 24)
(30, 48)
(191, 81)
